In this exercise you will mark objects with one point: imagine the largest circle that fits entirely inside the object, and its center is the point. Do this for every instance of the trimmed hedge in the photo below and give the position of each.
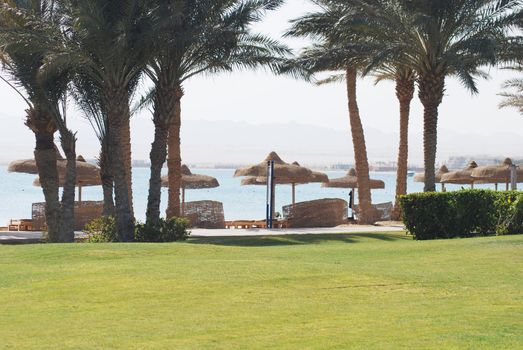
(465, 213)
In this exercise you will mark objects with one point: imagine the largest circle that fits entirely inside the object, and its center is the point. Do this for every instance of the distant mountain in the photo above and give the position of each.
(242, 142)
(229, 142)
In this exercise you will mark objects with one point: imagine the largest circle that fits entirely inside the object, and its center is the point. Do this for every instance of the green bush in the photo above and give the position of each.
(164, 231)
(101, 230)
(464, 213)
(509, 213)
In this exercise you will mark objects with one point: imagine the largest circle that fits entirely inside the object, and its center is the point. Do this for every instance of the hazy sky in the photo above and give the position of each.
(260, 98)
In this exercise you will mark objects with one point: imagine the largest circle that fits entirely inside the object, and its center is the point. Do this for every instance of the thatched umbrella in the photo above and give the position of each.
(313, 177)
(281, 169)
(351, 181)
(461, 177)
(192, 181)
(28, 166)
(441, 171)
(86, 175)
(497, 173)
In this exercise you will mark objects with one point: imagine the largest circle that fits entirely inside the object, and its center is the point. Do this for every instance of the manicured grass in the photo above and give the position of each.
(356, 291)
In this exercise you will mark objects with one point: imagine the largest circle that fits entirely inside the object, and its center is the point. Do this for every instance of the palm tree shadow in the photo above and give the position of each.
(289, 240)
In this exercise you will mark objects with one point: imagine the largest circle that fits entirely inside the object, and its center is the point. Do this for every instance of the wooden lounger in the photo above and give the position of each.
(245, 224)
(250, 224)
(20, 225)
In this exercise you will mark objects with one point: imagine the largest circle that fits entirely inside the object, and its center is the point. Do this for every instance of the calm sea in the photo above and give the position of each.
(240, 202)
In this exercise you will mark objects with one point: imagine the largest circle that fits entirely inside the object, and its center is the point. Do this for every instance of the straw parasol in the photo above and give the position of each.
(313, 177)
(441, 171)
(461, 177)
(421, 176)
(28, 166)
(192, 181)
(86, 175)
(351, 181)
(281, 169)
(497, 173)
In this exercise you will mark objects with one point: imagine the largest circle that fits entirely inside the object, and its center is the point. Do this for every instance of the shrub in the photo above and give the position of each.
(164, 231)
(509, 213)
(464, 213)
(101, 230)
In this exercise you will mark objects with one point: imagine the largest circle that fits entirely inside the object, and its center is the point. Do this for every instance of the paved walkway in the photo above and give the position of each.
(20, 237)
(295, 231)
(35, 237)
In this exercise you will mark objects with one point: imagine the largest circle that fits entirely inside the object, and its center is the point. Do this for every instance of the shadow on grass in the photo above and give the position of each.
(286, 240)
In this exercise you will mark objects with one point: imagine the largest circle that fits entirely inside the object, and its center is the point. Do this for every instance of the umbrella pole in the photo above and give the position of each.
(496, 186)
(472, 185)
(273, 199)
(293, 193)
(80, 194)
(183, 201)
(352, 203)
(507, 186)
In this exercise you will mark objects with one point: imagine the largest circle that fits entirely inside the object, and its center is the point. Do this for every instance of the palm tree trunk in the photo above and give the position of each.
(107, 177)
(431, 89)
(365, 213)
(127, 156)
(405, 94)
(166, 106)
(45, 156)
(174, 161)
(68, 141)
(117, 104)
(158, 156)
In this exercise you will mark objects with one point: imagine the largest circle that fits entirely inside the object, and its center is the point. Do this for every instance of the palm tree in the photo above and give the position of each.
(108, 47)
(405, 80)
(438, 39)
(196, 37)
(335, 50)
(513, 94)
(27, 30)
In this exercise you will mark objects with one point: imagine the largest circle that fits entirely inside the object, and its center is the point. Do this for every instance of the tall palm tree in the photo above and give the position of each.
(438, 39)
(108, 47)
(195, 37)
(27, 30)
(405, 80)
(335, 50)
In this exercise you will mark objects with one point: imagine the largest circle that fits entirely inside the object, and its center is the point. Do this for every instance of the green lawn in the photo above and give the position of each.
(356, 291)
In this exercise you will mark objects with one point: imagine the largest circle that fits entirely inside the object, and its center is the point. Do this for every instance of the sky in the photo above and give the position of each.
(260, 100)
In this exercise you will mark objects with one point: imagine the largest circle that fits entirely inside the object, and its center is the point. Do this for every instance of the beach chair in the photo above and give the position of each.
(205, 214)
(20, 225)
(328, 212)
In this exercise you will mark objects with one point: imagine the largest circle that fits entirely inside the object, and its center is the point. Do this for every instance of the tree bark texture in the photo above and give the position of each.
(127, 154)
(165, 109)
(158, 156)
(117, 104)
(107, 177)
(45, 156)
(431, 89)
(365, 212)
(68, 141)
(174, 161)
(405, 94)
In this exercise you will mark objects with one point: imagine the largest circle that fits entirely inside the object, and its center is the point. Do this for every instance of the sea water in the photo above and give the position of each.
(240, 202)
